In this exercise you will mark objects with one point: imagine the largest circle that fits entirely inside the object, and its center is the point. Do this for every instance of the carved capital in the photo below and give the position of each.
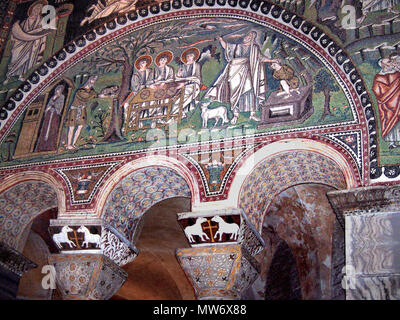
(229, 226)
(221, 263)
(366, 200)
(76, 235)
(116, 249)
(250, 239)
(91, 236)
(217, 272)
(14, 261)
(87, 276)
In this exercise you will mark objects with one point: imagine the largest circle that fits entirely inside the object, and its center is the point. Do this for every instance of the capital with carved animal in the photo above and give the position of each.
(87, 247)
(222, 261)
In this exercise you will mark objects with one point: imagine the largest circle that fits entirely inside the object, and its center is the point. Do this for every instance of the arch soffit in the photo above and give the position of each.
(17, 216)
(275, 148)
(15, 179)
(149, 161)
(252, 161)
(269, 151)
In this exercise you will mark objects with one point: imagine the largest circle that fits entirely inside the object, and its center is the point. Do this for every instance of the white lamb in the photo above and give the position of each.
(216, 113)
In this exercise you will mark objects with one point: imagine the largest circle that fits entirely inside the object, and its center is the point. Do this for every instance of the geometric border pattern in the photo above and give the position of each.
(247, 148)
(353, 148)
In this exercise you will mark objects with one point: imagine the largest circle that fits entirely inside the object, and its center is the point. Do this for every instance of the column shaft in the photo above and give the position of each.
(372, 239)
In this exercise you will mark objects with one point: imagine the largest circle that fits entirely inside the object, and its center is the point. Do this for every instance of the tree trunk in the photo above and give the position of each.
(9, 152)
(117, 115)
(114, 130)
(327, 111)
(125, 82)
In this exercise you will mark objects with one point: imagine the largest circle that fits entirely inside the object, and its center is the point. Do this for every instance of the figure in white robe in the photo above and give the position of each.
(190, 74)
(242, 83)
(163, 74)
(29, 42)
(377, 5)
(111, 6)
(142, 78)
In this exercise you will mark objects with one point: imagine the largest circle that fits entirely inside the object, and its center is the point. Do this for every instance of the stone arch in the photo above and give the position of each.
(41, 176)
(288, 164)
(284, 168)
(170, 162)
(303, 217)
(342, 163)
(137, 192)
(19, 205)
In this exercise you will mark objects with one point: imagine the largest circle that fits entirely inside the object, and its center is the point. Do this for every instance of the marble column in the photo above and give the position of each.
(372, 223)
(88, 266)
(12, 266)
(221, 262)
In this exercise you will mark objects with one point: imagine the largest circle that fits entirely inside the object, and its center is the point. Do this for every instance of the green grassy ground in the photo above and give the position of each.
(90, 140)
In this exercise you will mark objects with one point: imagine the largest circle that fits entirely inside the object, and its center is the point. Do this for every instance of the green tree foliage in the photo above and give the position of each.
(324, 82)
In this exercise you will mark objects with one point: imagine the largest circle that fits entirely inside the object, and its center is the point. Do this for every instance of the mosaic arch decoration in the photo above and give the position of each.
(282, 171)
(95, 83)
(19, 205)
(138, 192)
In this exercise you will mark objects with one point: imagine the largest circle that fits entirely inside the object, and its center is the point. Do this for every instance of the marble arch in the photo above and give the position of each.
(138, 186)
(22, 197)
(340, 174)
(150, 161)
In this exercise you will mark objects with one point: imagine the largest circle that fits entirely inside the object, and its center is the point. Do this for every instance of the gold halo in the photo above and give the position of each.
(146, 57)
(164, 53)
(189, 50)
(42, 2)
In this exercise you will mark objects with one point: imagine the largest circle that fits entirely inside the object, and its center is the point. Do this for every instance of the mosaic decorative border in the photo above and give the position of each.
(179, 152)
(355, 152)
(61, 172)
(252, 9)
(233, 165)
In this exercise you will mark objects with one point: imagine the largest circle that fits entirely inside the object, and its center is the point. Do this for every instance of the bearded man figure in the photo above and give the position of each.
(242, 83)
(386, 87)
(29, 42)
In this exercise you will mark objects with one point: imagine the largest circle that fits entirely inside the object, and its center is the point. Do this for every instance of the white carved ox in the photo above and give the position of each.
(224, 227)
(196, 230)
